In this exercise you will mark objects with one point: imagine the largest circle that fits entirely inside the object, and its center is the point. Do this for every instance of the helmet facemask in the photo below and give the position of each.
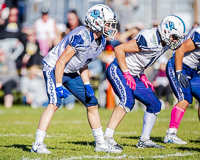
(109, 29)
(174, 42)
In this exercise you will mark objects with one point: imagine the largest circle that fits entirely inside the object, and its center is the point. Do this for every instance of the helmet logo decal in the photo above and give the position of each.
(95, 14)
(171, 25)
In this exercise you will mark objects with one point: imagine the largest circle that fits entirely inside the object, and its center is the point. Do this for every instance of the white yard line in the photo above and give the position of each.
(119, 157)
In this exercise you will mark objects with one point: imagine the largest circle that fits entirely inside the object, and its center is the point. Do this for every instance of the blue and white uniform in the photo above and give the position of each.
(190, 62)
(151, 49)
(86, 50)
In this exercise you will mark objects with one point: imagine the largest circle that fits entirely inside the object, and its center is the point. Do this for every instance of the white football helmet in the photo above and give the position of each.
(101, 18)
(172, 27)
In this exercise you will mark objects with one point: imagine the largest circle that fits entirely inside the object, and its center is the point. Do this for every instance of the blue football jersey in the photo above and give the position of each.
(85, 47)
(192, 58)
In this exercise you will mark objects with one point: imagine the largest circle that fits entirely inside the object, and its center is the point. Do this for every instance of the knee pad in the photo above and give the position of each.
(154, 108)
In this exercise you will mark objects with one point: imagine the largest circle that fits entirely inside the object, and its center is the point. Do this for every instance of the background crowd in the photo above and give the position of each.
(23, 46)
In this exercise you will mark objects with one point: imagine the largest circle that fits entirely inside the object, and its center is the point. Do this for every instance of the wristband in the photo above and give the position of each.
(86, 83)
(127, 70)
(58, 84)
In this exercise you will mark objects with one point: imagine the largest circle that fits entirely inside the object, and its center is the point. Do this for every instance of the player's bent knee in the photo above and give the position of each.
(52, 107)
(154, 108)
(127, 109)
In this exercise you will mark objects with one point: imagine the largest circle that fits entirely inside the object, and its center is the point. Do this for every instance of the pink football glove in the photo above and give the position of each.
(146, 81)
(129, 80)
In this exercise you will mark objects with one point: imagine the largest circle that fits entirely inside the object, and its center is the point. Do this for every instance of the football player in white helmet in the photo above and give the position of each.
(170, 28)
(66, 66)
(100, 18)
(184, 80)
(126, 75)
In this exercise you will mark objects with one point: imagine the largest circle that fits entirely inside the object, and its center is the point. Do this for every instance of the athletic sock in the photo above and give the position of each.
(39, 136)
(176, 117)
(109, 133)
(98, 135)
(148, 123)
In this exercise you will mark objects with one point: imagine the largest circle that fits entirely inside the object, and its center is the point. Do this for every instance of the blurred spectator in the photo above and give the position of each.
(45, 29)
(129, 34)
(155, 22)
(60, 33)
(31, 55)
(125, 12)
(33, 88)
(161, 83)
(13, 47)
(73, 21)
(8, 77)
(195, 24)
(11, 28)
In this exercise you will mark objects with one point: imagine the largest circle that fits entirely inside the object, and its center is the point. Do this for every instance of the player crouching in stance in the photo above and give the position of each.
(184, 80)
(126, 75)
(66, 65)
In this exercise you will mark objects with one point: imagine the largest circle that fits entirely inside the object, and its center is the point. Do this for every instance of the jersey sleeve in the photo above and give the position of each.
(79, 41)
(196, 38)
(141, 41)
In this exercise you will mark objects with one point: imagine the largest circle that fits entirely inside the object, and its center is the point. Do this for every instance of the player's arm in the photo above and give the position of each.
(60, 64)
(130, 46)
(187, 46)
(84, 72)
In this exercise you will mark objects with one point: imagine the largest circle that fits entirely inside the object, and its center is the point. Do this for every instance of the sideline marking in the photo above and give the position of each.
(118, 157)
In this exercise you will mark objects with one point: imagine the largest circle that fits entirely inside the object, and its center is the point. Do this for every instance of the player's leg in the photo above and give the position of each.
(54, 103)
(74, 84)
(125, 94)
(153, 105)
(184, 97)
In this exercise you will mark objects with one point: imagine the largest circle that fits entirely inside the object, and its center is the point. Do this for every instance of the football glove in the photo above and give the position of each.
(89, 91)
(146, 82)
(129, 80)
(182, 79)
(62, 92)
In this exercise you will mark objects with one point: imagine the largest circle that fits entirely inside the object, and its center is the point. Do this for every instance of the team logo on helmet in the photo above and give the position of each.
(171, 25)
(95, 13)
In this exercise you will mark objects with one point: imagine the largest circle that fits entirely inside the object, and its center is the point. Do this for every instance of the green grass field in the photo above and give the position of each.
(69, 135)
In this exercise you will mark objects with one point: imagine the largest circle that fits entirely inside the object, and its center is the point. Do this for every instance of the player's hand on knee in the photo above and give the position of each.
(182, 79)
(146, 82)
(129, 80)
(89, 91)
(62, 92)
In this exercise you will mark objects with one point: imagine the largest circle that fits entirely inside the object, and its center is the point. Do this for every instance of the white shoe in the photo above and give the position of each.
(148, 144)
(40, 148)
(113, 143)
(104, 147)
(173, 138)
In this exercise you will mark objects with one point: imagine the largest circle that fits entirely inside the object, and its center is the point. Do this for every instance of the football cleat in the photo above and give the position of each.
(148, 144)
(40, 148)
(113, 143)
(104, 147)
(173, 138)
